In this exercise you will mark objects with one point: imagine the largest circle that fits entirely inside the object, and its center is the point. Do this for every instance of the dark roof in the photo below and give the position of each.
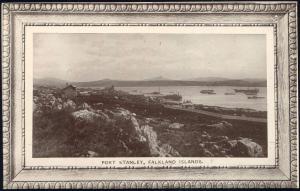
(70, 86)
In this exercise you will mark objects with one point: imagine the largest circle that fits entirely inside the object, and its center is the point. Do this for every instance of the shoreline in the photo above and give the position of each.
(206, 100)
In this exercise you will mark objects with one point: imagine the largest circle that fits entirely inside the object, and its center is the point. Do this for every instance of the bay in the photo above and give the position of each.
(192, 93)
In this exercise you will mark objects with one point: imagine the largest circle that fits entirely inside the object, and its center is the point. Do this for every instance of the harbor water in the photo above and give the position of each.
(192, 93)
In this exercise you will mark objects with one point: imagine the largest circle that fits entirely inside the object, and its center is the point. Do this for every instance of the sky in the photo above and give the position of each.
(139, 56)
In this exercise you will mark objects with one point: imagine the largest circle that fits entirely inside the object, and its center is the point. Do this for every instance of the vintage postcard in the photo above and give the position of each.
(150, 97)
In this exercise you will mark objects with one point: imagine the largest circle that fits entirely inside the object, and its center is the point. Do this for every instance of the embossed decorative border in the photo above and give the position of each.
(289, 8)
(150, 184)
(274, 25)
(167, 7)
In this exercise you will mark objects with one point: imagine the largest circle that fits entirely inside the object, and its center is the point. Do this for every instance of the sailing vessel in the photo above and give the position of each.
(157, 92)
(207, 91)
(247, 91)
(174, 97)
(255, 97)
(229, 93)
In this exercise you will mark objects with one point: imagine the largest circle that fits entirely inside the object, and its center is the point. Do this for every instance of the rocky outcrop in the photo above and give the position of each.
(69, 105)
(131, 134)
(230, 144)
(168, 151)
(103, 115)
(136, 128)
(165, 150)
(151, 138)
(246, 147)
(220, 127)
(176, 126)
(85, 116)
(92, 154)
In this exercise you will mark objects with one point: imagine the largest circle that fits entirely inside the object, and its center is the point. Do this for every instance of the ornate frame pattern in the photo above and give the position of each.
(289, 9)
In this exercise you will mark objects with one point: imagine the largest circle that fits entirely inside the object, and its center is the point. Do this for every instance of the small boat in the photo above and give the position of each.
(255, 97)
(174, 97)
(247, 91)
(229, 93)
(207, 92)
(155, 93)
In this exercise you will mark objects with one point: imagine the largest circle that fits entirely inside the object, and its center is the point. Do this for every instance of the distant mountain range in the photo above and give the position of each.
(158, 78)
(158, 81)
(208, 79)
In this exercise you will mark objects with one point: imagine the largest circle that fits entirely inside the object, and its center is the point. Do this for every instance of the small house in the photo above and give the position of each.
(188, 106)
(69, 92)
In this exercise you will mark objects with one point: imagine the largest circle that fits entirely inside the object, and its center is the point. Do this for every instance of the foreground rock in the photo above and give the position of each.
(130, 135)
(164, 150)
(176, 125)
(85, 116)
(69, 105)
(246, 147)
(221, 127)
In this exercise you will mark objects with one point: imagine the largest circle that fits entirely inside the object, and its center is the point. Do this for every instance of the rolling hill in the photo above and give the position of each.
(155, 82)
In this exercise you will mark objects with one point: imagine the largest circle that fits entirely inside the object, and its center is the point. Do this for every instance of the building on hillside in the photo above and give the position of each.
(188, 105)
(69, 92)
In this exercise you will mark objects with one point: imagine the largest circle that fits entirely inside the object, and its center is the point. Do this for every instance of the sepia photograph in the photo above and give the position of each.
(149, 95)
(127, 95)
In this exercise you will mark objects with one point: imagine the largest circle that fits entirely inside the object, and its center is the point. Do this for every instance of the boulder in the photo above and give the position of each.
(92, 154)
(164, 124)
(207, 153)
(226, 124)
(35, 99)
(215, 147)
(135, 124)
(57, 106)
(167, 150)
(149, 120)
(151, 138)
(124, 147)
(103, 115)
(221, 126)
(137, 129)
(230, 144)
(69, 105)
(205, 137)
(204, 133)
(247, 148)
(85, 116)
(164, 150)
(121, 113)
(220, 138)
(201, 145)
(176, 125)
